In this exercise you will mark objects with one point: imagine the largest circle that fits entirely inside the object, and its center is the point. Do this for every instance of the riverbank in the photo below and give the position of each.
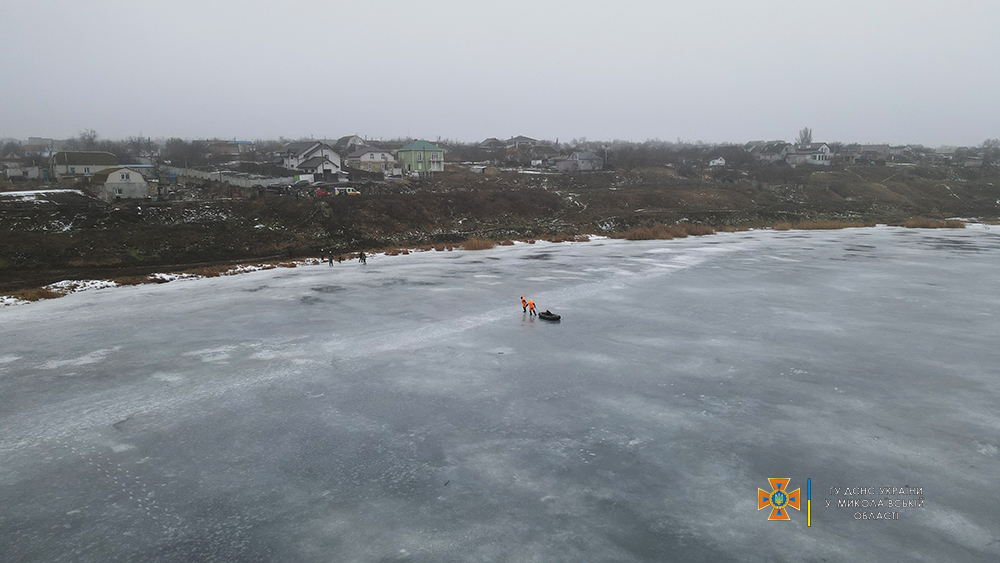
(65, 287)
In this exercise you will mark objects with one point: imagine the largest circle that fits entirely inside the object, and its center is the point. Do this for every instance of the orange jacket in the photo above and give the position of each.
(531, 305)
(523, 302)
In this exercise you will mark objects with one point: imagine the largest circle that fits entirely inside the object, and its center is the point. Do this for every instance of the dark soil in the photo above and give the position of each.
(78, 238)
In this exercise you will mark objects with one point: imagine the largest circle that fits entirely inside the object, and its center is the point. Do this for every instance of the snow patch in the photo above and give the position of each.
(6, 300)
(73, 286)
(32, 195)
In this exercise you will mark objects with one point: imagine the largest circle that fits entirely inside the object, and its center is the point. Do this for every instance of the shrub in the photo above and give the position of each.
(699, 230)
(826, 224)
(475, 243)
(439, 247)
(37, 294)
(136, 280)
(506, 242)
(925, 223)
(783, 226)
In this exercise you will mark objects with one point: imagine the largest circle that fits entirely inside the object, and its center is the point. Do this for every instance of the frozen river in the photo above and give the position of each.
(407, 410)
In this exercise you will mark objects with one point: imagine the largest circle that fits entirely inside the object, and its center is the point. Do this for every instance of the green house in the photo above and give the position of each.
(420, 156)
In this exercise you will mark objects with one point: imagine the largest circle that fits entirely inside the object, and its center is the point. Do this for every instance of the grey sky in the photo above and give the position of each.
(877, 71)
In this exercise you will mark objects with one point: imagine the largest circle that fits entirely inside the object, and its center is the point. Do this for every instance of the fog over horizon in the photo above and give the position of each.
(717, 71)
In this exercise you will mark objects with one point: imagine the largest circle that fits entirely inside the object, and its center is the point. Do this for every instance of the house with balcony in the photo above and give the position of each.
(420, 157)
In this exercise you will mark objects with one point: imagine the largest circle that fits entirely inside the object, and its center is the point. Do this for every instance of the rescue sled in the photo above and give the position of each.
(547, 316)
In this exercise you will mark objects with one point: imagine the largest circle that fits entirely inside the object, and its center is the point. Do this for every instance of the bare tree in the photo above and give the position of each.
(12, 148)
(88, 140)
(991, 151)
(805, 136)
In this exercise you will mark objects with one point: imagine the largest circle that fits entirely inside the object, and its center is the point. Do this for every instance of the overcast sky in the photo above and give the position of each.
(910, 71)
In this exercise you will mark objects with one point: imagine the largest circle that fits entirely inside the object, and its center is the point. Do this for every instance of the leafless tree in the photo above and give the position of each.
(805, 136)
(88, 139)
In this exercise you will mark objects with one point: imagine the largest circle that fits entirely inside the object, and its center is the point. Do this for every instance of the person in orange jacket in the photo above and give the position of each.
(524, 304)
(531, 307)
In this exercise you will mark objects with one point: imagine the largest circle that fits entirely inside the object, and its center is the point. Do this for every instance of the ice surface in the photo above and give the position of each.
(408, 410)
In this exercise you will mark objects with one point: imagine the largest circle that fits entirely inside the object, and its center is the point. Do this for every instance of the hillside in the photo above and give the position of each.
(71, 236)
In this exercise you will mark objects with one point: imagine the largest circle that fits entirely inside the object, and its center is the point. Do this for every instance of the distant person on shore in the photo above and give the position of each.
(330, 259)
(524, 304)
(531, 307)
(362, 258)
(340, 259)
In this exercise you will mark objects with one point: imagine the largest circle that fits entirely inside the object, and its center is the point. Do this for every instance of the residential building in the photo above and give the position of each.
(717, 162)
(580, 162)
(228, 148)
(349, 144)
(492, 144)
(294, 154)
(542, 155)
(774, 151)
(321, 165)
(80, 163)
(421, 156)
(521, 140)
(117, 183)
(810, 153)
(372, 159)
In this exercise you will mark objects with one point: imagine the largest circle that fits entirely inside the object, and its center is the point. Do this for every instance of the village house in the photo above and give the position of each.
(228, 148)
(322, 166)
(810, 153)
(542, 155)
(294, 155)
(349, 144)
(717, 162)
(521, 141)
(420, 157)
(372, 159)
(117, 183)
(774, 151)
(80, 163)
(492, 144)
(22, 167)
(579, 162)
(39, 146)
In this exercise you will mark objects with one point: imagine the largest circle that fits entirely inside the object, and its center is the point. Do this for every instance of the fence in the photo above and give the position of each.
(241, 181)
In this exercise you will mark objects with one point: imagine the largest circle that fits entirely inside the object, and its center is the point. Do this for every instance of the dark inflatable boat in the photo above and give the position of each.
(548, 316)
